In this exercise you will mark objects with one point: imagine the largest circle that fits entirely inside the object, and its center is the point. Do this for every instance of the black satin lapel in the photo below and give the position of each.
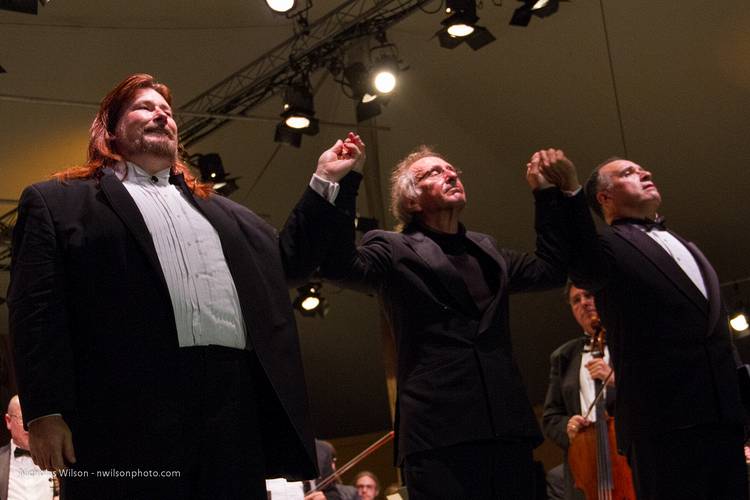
(711, 280)
(486, 245)
(573, 376)
(124, 205)
(664, 262)
(435, 259)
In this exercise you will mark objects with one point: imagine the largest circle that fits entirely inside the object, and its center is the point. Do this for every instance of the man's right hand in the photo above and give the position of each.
(534, 175)
(575, 425)
(342, 157)
(51, 443)
(558, 169)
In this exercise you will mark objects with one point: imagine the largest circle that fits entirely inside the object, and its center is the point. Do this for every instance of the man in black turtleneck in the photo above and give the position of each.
(465, 428)
(679, 417)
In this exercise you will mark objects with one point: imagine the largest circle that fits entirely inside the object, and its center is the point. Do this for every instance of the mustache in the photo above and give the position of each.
(452, 184)
(160, 130)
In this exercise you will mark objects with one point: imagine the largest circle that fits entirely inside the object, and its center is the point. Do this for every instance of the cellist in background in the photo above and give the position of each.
(571, 388)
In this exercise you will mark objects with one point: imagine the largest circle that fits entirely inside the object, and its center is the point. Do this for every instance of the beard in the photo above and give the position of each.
(156, 142)
(161, 145)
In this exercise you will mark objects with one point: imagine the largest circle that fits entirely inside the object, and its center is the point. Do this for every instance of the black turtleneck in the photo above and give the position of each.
(478, 270)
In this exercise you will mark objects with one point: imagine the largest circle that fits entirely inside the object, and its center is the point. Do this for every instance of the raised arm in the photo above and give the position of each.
(313, 223)
(553, 180)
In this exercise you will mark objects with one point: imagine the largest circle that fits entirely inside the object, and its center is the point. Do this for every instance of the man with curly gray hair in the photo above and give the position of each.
(464, 426)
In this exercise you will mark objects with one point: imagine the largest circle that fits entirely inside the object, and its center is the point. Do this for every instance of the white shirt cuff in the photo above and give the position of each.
(327, 189)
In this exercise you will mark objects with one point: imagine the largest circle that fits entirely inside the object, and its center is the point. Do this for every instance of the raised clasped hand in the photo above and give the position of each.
(342, 157)
(550, 167)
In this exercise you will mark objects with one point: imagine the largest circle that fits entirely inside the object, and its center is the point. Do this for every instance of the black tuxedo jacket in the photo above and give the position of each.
(457, 379)
(563, 398)
(670, 346)
(94, 330)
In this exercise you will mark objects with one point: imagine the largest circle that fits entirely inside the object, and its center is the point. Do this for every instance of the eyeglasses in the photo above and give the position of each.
(438, 171)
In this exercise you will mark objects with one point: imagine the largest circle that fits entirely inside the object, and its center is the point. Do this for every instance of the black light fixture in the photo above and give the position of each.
(384, 67)
(369, 103)
(310, 302)
(25, 6)
(2, 70)
(461, 26)
(299, 112)
(370, 109)
(540, 8)
(287, 135)
(212, 172)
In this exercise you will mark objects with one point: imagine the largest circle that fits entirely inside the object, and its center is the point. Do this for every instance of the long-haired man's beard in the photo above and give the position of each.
(159, 145)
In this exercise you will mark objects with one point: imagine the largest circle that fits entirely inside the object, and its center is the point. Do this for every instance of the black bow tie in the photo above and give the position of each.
(647, 224)
(20, 452)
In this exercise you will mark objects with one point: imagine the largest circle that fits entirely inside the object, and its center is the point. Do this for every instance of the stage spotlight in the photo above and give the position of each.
(368, 110)
(212, 168)
(384, 67)
(540, 8)
(738, 319)
(544, 8)
(299, 112)
(212, 171)
(461, 25)
(310, 301)
(280, 6)
(286, 135)
(357, 78)
(385, 74)
(369, 103)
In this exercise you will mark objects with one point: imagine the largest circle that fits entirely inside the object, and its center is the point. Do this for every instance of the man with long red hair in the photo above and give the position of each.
(156, 349)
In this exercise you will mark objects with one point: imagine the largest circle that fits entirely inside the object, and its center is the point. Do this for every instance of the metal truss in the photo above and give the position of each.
(316, 46)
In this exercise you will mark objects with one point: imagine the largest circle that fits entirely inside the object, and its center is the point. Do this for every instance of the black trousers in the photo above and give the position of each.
(201, 442)
(485, 470)
(702, 463)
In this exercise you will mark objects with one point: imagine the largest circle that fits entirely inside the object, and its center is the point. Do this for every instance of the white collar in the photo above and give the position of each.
(127, 171)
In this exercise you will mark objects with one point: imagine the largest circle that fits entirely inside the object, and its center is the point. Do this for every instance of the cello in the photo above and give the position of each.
(611, 478)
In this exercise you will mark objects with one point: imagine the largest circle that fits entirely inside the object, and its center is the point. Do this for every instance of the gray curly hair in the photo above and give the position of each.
(404, 185)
